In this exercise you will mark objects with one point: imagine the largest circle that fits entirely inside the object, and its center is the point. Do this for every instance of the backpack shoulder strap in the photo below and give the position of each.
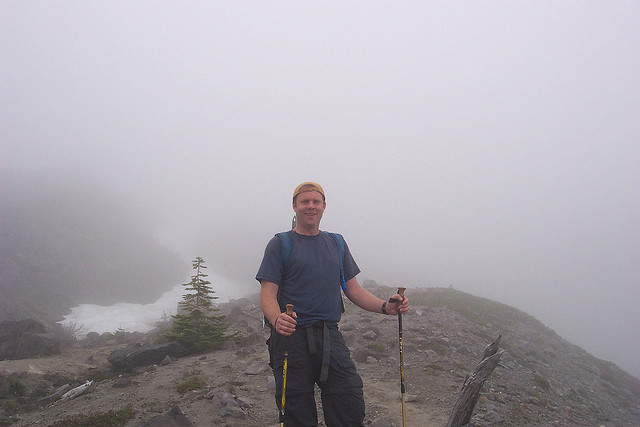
(285, 244)
(339, 241)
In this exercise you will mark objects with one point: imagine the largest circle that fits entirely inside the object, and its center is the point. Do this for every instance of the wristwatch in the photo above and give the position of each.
(384, 308)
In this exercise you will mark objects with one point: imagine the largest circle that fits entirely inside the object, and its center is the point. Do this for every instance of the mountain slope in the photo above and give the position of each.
(542, 380)
(66, 241)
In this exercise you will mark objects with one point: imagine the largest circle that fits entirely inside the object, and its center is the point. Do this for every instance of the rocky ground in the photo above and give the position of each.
(542, 380)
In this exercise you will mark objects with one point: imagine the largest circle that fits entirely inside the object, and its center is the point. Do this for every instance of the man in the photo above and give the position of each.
(309, 278)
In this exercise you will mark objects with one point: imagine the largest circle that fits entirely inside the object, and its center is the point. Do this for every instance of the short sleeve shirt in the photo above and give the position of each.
(311, 278)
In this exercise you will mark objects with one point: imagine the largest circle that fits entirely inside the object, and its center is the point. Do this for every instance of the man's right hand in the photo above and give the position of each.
(285, 324)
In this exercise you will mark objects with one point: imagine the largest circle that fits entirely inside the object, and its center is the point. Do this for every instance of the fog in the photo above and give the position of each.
(490, 146)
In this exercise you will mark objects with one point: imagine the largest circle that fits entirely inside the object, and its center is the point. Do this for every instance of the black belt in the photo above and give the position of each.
(326, 347)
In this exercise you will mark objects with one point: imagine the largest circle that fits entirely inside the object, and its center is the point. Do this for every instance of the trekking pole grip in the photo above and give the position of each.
(289, 309)
(401, 292)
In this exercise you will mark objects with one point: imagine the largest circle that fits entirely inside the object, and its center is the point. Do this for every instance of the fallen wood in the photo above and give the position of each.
(466, 403)
(59, 392)
(75, 392)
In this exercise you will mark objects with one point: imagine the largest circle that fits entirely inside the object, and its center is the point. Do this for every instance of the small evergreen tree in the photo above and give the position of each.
(195, 326)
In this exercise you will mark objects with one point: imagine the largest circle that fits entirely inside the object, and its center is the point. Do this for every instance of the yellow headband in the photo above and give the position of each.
(308, 186)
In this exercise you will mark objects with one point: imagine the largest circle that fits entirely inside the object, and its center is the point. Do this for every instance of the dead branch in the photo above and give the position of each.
(463, 409)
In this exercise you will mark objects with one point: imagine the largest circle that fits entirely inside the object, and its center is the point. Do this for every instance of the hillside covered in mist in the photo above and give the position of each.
(64, 242)
(541, 380)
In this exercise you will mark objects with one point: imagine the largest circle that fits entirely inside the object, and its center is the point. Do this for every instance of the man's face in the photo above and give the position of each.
(309, 207)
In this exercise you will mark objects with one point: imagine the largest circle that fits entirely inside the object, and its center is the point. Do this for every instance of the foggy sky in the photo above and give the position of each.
(492, 146)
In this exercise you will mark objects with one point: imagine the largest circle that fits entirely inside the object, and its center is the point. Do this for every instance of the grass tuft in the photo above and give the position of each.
(377, 347)
(100, 419)
(192, 380)
(542, 382)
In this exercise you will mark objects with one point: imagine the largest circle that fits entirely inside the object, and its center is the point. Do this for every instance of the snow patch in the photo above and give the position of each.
(132, 317)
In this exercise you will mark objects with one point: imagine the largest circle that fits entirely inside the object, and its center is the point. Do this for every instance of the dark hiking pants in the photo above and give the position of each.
(341, 392)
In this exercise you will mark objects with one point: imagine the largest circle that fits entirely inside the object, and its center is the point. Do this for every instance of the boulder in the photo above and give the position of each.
(251, 339)
(361, 354)
(235, 313)
(245, 402)
(370, 335)
(135, 355)
(25, 339)
(173, 418)
(256, 368)
(271, 383)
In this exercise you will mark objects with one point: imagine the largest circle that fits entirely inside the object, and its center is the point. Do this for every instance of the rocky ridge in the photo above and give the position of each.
(543, 380)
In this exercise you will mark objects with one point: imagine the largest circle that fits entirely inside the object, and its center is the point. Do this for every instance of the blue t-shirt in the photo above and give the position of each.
(311, 279)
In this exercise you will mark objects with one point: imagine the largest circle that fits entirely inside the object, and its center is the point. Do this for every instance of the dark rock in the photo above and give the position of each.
(256, 368)
(492, 417)
(228, 400)
(173, 418)
(271, 383)
(122, 382)
(360, 354)
(250, 339)
(21, 326)
(232, 412)
(235, 313)
(369, 328)
(245, 402)
(91, 340)
(25, 339)
(370, 335)
(135, 355)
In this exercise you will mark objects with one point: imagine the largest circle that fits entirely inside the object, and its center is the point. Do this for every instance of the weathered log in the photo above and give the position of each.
(466, 403)
(492, 348)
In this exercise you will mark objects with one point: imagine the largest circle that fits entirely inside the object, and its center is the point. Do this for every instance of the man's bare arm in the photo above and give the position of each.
(283, 323)
(367, 301)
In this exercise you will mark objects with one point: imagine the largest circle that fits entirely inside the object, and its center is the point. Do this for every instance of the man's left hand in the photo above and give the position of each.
(399, 305)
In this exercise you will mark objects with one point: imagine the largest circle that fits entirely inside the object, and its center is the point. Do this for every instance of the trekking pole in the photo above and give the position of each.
(284, 373)
(402, 388)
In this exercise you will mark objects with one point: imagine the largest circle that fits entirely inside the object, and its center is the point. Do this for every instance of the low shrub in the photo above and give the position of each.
(100, 419)
(542, 382)
(16, 387)
(192, 380)
(376, 347)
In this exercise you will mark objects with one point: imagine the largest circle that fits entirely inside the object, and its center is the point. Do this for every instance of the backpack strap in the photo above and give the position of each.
(339, 241)
(285, 244)
(285, 247)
